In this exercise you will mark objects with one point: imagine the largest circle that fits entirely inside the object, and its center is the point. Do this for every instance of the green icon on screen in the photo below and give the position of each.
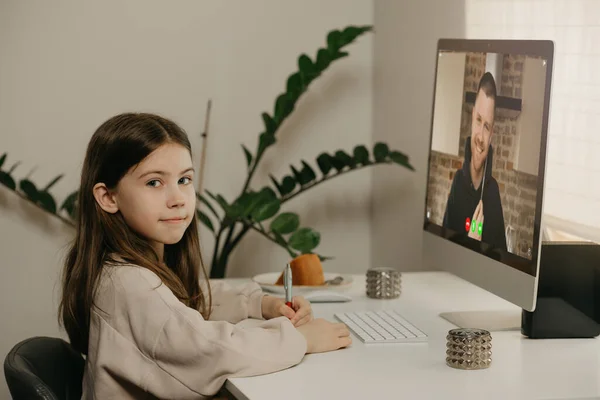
(473, 226)
(480, 228)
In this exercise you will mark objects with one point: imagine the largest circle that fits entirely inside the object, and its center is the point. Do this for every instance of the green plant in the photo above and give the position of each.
(253, 208)
(258, 210)
(40, 197)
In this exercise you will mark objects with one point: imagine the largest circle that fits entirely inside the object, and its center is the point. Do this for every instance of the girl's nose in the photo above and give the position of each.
(176, 199)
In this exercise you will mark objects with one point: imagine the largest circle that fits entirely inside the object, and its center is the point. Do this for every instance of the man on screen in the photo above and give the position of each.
(474, 204)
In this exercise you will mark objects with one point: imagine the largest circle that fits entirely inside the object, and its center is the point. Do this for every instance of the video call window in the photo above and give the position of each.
(485, 148)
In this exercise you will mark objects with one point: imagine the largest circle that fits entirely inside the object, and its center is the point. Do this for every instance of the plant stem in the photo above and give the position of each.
(63, 219)
(249, 177)
(215, 256)
(227, 244)
(265, 234)
(240, 235)
(220, 259)
(218, 270)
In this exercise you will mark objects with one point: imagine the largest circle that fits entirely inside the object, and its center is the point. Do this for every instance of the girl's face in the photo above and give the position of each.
(157, 197)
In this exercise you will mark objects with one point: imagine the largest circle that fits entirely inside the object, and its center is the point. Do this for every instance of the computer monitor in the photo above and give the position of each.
(485, 179)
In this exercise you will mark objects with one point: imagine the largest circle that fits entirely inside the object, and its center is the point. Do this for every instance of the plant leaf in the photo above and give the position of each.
(326, 258)
(53, 182)
(324, 163)
(267, 194)
(31, 172)
(301, 177)
(305, 175)
(280, 239)
(304, 240)
(274, 180)
(248, 202)
(283, 107)
(242, 206)
(7, 180)
(69, 204)
(307, 69)
(345, 159)
(401, 159)
(285, 223)
(307, 172)
(248, 155)
(223, 203)
(323, 59)
(337, 163)
(207, 203)
(46, 201)
(2, 159)
(333, 41)
(265, 141)
(294, 85)
(266, 210)
(288, 185)
(270, 125)
(350, 33)
(361, 155)
(205, 220)
(29, 189)
(15, 165)
(338, 55)
(381, 151)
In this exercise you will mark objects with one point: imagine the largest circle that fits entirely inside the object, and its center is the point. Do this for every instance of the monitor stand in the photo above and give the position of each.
(491, 321)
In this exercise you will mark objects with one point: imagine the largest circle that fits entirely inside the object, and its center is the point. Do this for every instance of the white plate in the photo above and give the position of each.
(267, 283)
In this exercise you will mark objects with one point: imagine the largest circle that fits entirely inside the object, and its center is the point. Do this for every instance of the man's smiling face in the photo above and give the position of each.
(482, 127)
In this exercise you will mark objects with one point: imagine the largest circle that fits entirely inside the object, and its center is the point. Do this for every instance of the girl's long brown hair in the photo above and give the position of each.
(119, 144)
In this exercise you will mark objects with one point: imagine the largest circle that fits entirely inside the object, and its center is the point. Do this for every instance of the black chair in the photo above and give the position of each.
(44, 368)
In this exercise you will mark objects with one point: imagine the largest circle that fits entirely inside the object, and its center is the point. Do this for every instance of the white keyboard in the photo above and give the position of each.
(381, 327)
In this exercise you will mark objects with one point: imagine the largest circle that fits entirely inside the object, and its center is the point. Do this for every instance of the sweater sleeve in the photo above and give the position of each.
(235, 303)
(192, 356)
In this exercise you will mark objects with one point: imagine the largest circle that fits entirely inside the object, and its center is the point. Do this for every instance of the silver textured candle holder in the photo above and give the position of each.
(469, 349)
(383, 283)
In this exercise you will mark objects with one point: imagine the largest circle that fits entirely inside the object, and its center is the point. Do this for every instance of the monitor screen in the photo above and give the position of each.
(487, 153)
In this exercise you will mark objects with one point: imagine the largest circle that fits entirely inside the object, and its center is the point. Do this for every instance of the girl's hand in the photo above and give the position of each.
(303, 311)
(322, 335)
(299, 314)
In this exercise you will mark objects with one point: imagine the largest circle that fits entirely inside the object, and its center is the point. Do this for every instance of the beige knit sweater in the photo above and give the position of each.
(144, 343)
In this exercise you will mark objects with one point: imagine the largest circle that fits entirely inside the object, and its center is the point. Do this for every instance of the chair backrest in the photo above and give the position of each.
(44, 368)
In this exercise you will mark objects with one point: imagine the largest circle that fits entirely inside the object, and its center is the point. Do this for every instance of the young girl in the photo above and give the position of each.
(133, 300)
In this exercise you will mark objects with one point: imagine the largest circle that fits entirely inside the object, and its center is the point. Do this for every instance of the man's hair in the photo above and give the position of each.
(488, 85)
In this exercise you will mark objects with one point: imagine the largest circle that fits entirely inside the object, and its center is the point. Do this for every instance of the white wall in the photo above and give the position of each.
(449, 89)
(66, 66)
(571, 203)
(32, 245)
(404, 62)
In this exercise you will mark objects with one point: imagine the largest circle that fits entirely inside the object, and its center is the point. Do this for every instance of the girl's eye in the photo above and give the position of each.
(153, 183)
(185, 180)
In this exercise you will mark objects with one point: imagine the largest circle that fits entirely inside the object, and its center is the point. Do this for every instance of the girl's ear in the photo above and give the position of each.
(105, 198)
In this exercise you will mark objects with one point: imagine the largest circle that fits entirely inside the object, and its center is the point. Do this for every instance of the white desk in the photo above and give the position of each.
(521, 368)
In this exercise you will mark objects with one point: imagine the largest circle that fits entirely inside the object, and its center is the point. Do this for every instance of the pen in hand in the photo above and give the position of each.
(287, 285)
